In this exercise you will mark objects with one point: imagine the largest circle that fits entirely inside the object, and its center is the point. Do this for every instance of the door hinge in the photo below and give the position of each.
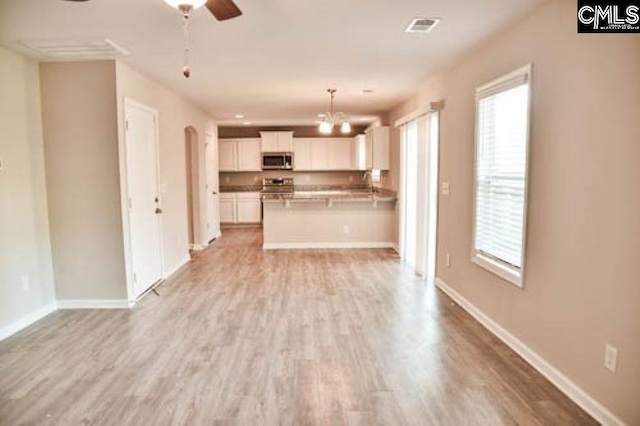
(135, 277)
(130, 203)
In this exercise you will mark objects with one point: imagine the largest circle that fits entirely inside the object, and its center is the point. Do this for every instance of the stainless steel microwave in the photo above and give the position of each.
(277, 161)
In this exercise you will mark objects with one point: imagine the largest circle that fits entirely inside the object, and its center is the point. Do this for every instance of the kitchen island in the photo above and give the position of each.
(329, 219)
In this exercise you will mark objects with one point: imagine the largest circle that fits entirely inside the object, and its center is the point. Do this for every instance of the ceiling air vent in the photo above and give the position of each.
(422, 25)
(73, 49)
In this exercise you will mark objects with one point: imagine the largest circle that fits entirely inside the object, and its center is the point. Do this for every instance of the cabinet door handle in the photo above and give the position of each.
(214, 193)
(158, 210)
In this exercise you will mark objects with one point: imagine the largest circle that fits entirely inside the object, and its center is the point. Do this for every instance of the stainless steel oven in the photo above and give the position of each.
(277, 161)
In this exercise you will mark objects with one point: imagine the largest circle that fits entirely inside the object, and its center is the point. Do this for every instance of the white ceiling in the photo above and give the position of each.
(275, 62)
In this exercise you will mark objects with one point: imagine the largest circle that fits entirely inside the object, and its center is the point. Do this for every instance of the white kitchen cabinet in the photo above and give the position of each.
(339, 153)
(359, 153)
(320, 154)
(302, 154)
(240, 207)
(249, 155)
(249, 207)
(377, 146)
(227, 155)
(240, 155)
(227, 207)
(277, 141)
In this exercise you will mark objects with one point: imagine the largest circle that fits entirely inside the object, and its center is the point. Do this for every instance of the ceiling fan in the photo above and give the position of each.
(222, 10)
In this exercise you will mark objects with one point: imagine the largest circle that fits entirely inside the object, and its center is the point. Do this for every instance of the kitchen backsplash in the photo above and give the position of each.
(300, 178)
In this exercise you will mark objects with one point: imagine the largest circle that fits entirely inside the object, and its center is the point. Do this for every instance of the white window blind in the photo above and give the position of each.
(501, 174)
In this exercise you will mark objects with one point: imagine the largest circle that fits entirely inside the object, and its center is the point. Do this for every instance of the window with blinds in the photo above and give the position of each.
(502, 140)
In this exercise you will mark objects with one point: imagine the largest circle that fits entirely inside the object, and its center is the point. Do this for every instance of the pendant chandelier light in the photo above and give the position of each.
(220, 9)
(186, 7)
(330, 119)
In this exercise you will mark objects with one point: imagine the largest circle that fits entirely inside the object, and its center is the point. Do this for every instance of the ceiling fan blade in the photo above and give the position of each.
(223, 9)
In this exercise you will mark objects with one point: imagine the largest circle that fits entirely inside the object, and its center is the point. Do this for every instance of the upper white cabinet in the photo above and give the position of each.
(240, 155)
(359, 158)
(315, 154)
(228, 156)
(320, 154)
(302, 154)
(377, 147)
(249, 155)
(340, 154)
(277, 141)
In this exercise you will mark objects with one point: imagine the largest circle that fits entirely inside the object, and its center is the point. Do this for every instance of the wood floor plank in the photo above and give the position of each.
(241, 336)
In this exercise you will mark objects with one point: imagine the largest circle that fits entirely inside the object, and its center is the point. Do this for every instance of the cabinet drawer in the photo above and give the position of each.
(227, 195)
(248, 195)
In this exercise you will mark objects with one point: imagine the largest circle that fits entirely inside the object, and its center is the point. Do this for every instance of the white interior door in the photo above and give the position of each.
(144, 206)
(212, 186)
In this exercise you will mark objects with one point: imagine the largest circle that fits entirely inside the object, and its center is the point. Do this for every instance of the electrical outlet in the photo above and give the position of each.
(25, 282)
(610, 358)
(448, 259)
(227, 179)
(446, 188)
(345, 229)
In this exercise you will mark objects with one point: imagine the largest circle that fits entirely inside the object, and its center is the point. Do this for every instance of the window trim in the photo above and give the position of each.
(502, 269)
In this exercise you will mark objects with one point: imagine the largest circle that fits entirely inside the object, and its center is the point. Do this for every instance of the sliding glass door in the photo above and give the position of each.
(419, 193)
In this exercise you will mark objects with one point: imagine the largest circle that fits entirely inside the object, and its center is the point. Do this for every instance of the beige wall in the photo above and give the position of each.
(81, 151)
(175, 114)
(582, 279)
(25, 249)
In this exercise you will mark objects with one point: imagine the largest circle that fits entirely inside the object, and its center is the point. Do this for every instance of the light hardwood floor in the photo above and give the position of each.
(242, 336)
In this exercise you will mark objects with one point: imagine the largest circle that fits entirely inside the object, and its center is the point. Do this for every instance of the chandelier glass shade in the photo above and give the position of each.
(330, 119)
(192, 4)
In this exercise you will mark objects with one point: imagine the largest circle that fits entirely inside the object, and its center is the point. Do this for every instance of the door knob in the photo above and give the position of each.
(215, 193)
(158, 210)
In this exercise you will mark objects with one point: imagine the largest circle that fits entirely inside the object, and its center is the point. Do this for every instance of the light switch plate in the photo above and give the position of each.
(446, 188)
(611, 358)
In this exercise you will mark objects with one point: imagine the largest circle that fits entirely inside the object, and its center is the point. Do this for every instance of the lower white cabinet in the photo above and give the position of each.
(227, 207)
(240, 207)
(249, 207)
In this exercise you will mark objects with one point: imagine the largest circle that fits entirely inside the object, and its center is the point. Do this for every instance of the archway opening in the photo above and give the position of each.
(192, 183)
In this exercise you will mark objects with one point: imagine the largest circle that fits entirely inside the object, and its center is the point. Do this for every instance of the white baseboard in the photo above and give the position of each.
(27, 320)
(177, 266)
(95, 304)
(346, 245)
(562, 382)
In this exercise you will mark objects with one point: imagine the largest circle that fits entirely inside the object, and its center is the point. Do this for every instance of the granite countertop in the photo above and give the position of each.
(240, 188)
(352, 192)
(334, 194)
